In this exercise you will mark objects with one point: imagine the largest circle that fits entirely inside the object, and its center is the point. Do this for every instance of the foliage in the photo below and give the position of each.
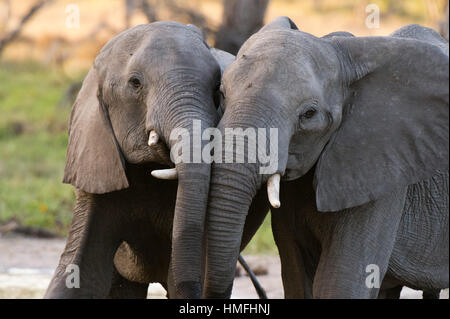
(263, 242)
(33, 143)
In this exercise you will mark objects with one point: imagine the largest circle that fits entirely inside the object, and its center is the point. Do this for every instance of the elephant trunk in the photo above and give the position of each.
(191, 202)
(232, 189)
(188, 228)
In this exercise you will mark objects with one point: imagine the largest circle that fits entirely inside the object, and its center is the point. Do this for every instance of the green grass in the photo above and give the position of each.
(263, 242)
(33, 142)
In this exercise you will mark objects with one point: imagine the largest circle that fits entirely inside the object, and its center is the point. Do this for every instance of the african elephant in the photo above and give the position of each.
(145, 82)
(362, 157)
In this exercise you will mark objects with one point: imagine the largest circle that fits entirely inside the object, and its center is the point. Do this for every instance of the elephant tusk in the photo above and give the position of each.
(273, 190)
(170, 174)
(153, 138)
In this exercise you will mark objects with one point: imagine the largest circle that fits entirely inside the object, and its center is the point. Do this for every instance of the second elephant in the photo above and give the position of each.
(363, 137)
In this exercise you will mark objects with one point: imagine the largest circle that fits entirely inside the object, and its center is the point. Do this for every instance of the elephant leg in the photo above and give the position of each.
(86, 265)
(122, 288)
(356, 248)
(296, 283)
(298, 248)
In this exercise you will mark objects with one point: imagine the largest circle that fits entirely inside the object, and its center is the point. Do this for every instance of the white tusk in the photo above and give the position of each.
(153, 138)
(170, 174)
(273, 190)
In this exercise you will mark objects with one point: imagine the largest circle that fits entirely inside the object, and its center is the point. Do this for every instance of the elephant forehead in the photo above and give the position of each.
(174, 47)
(261, 71)
(289, 51)
(152, 40)
(280, 43)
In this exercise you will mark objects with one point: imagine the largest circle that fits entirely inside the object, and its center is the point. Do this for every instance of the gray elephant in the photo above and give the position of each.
(145, 82)
(363, 136)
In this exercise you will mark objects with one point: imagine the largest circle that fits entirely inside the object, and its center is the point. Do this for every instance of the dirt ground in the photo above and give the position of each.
(26, 266)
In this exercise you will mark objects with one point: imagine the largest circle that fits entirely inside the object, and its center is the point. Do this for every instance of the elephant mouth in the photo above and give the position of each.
(291, 174)
(161, 155)
(139, 151)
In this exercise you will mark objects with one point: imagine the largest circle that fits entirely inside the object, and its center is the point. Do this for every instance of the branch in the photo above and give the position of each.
(149, 11)
(195, 18)
(11, 36)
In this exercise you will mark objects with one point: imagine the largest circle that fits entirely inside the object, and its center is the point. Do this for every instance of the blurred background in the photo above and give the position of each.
(46, 48)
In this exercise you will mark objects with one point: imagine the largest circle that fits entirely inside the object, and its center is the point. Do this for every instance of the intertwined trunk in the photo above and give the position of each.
(232, 189)
(188, 228)
(190, 208)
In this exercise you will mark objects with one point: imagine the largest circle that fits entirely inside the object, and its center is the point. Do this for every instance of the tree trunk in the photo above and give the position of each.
(241, 19)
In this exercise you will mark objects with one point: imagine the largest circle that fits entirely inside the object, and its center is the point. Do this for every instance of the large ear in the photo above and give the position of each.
(394, 130)
(94, 163)
(414, 31)
(196, 30)
(279, 23)
(223, 58)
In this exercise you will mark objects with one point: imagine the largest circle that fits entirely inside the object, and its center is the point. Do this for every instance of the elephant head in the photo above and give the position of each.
(371, 115)
(145, 83)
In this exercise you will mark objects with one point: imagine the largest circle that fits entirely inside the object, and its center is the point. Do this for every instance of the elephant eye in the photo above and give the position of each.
(309, 113)
(135, 82)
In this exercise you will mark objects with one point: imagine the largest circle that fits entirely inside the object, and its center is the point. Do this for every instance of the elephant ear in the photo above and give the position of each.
(223, 58)
(394, 129)
(414, 31)
(196, 30)
(94, 163)
(279, 23)
(338, 34)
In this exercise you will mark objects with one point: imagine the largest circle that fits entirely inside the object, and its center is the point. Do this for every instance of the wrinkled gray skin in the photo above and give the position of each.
(363, 155)
(157, 77)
